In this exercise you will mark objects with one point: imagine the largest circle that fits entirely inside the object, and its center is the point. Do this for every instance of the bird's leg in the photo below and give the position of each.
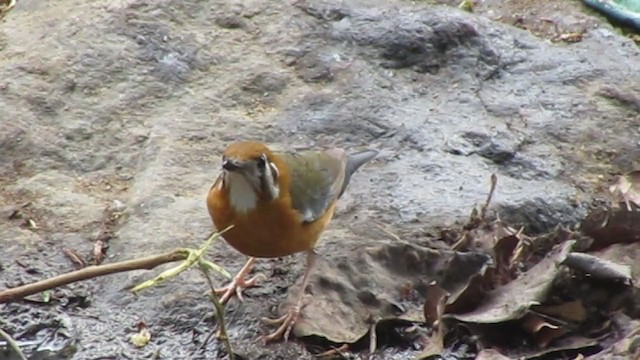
(238, 283)
(287, 321)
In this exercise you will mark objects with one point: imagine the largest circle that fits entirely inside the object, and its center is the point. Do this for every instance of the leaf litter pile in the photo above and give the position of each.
(492, 293)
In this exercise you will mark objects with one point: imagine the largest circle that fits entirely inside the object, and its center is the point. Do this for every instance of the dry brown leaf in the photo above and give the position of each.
(433, 348)
(598, 268)
(627, 189)
(435, 304)
(560, 349)
(467, 279)
(486, 237)
(470, 295)
(533, 323)
(572, 310)
(142, 337)
(571, 37)
(434, 308)
(503, 251)
(477, 219)
(491, 354)
(625, 254)
(543, 331)
(98, 251)
(381, 279)
(513, 300)
(611, 226)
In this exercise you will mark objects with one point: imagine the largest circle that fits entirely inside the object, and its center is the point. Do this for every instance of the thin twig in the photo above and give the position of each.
(494, 182)
(389, 232)
(219, 314)
(12, 345)
(90, 272)
(331, 353)
(74, 257)
(193, 257)
(373, 339)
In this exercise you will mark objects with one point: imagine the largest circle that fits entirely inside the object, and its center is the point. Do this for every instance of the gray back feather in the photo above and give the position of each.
(320, 178)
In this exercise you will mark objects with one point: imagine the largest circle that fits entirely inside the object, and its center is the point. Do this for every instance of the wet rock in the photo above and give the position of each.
(314, 67)
(230, 21)
(265, 82)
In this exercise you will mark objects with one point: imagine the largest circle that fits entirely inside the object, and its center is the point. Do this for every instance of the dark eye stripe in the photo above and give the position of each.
(262, 162)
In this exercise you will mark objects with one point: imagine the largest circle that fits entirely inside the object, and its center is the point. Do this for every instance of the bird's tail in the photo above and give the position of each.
(354, 162)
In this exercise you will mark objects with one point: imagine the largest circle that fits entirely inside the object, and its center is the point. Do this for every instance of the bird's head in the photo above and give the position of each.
(250, 173)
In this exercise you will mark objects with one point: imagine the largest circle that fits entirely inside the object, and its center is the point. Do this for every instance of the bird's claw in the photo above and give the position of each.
(236, 286)
(286, 323)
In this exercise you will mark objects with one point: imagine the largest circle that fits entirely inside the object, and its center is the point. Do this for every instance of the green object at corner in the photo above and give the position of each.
(626, 12)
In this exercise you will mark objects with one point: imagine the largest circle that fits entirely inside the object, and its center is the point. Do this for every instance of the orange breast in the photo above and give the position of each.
(273, 229)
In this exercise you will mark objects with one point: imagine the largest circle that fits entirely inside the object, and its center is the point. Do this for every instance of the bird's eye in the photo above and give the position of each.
(262, 162)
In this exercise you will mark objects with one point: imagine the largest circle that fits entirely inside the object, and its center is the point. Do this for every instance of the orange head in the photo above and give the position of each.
(249, 174)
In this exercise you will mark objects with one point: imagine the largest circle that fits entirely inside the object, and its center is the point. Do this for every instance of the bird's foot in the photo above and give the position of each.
(236, 286)
(285, 322)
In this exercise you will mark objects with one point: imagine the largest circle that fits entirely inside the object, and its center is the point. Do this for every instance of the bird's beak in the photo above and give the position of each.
(232, 165)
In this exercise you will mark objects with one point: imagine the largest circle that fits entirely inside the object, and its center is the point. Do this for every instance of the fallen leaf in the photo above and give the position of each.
(611, 226)
(142, 337)
(533, 323)
(624, 254)
(503, 251)
(471, 294)
(513, 300)
(434, 308)
(561, 349)
(572, 310)
(435, 304)
(388, 280)
(433, 348)
(466, 5)
(98, 251)
(598, 268)
(31, 224)
(490, 354)
(543, 331)
(569, 37)
(626, 347)
(627, 189)
(466, 281)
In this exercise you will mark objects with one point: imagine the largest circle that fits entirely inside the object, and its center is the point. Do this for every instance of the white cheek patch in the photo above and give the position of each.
(274, 169)
(241, 194)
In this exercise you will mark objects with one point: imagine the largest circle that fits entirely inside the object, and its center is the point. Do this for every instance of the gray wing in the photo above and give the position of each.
(317, 180)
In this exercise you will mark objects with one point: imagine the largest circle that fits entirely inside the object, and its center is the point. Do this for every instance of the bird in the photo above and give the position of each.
(278, 204)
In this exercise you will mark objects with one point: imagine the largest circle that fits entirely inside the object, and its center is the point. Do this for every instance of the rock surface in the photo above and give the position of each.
(113, 115)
